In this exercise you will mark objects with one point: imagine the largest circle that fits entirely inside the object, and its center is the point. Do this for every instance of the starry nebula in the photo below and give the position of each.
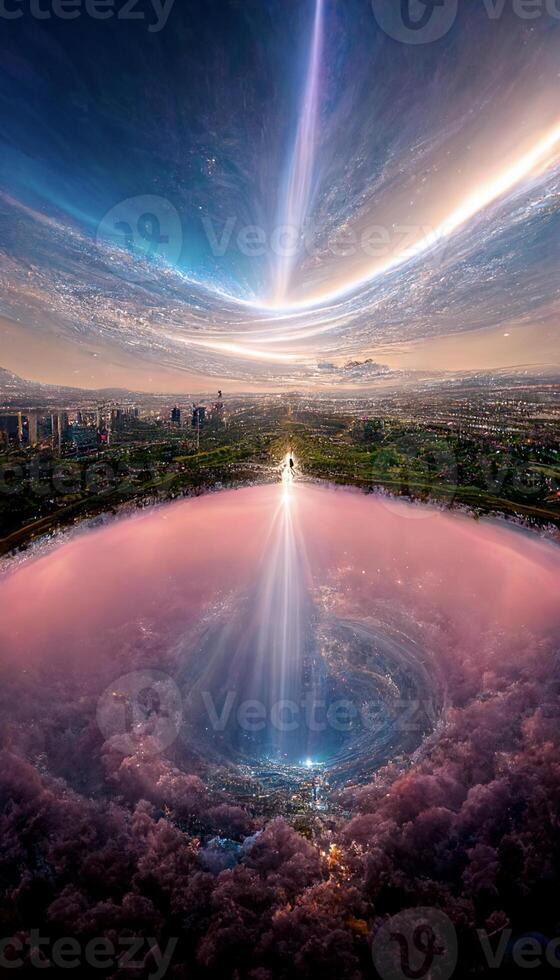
(279, 194)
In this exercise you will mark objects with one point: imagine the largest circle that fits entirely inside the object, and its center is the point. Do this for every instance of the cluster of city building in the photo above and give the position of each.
(94, 428)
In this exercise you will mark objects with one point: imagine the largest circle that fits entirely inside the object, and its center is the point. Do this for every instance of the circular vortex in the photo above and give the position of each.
(358, 697)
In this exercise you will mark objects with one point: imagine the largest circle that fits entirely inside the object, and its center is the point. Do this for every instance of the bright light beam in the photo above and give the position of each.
(300, 179)
(288, 478)
(538, 158)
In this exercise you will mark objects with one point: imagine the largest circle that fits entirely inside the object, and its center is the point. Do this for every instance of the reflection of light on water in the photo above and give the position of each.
(267, 643)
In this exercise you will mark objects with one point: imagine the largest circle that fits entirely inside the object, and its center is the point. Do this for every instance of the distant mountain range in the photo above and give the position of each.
(18, 391)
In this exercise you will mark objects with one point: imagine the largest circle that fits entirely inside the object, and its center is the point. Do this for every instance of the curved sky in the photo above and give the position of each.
(274, 194)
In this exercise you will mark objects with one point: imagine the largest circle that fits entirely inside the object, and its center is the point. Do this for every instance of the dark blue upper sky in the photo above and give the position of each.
(218, 128)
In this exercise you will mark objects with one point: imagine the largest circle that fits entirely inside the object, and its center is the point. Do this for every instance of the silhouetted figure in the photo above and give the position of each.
(291, 463)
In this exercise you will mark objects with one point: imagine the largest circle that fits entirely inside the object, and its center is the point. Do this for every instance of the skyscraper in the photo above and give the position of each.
(32, 433)
(198, 416)
(9, 426)
(59, 421)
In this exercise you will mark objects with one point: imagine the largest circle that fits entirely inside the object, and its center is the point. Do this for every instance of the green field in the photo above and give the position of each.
(428, 468)
(514, 477)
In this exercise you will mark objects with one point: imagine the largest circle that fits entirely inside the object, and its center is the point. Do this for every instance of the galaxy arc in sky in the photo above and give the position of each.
(350, 208)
